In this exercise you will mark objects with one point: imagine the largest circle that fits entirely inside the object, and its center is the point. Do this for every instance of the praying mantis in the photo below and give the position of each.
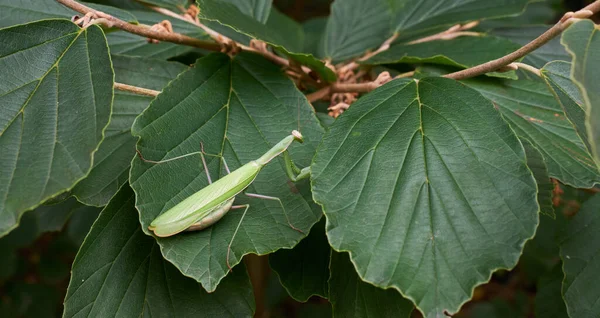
(207, 206)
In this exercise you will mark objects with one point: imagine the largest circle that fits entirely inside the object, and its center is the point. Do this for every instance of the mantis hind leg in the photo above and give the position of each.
(266, 197)
(246, 207)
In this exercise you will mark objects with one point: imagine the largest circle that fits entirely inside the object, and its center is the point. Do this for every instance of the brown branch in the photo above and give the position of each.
(504, 61)
(365, 87)
(219, 38)
(142, 30)
(136, 90)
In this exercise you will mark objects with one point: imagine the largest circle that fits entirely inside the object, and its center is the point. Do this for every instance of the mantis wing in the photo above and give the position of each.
(200, 204)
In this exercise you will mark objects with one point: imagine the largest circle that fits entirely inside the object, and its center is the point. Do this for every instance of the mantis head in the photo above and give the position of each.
(297, 136)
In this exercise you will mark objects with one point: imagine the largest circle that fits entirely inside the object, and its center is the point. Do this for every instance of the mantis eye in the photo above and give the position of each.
(297, 136)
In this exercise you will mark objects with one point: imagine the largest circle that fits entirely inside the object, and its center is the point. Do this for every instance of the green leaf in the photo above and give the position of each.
(112, 161)
(449, 52)
(353, 298)
(427, 188)
(119, 272)
(173, 5)
(239, 108)
(125, 43)
(537, 165)
(579, 252)
(537, 12)
(54, 111)
(356, 26)
(557, 77)
(13, 12)
(583, 42)
(304, 270)
(535, 115)
(540, 254)
(230, 16)
(287, 27)
(548, 299)
(260, 10)
(314, 29)
(46, 218)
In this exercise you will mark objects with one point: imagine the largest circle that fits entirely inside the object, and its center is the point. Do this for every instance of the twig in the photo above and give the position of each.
(365, 87)
(557, 29)
(453, 32)
(136, 90)
(527, 67)
(142, 30)
(354, 65)
(219, 38)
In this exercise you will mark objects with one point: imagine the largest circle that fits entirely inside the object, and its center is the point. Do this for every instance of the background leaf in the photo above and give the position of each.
(230, 16)
(583, 42)
(579, 252)
(356, 26)
(112, 161)
(13, 12)
(353, 298)
(535, 115)
(304, 270)
(119, 272)
(449, 52)
(537, 165)
(557, 77)
(427, 188)
(239, 108)
(548, 299)
(258, 9)
(55, 111)
(177, 6)
(551, 51)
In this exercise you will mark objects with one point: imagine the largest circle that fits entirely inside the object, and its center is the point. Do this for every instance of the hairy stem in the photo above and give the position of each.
(527, 67)
(136, 90)
(144, 31)
(557, 29)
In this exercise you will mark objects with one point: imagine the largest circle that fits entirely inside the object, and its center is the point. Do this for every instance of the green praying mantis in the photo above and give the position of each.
(207, 206)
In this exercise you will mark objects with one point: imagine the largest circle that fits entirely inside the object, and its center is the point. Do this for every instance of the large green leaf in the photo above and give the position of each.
(112, 161)
(427, 188)
(304, 270)
(579, 251)
(54, 111)
(239, 108)
(353, 298)
(449, 52)
(583, 42)
(230, 16)
(119, 272)
(535, 115)
(537, 165)
(14, 12)
(356, 26)
(557, 77)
